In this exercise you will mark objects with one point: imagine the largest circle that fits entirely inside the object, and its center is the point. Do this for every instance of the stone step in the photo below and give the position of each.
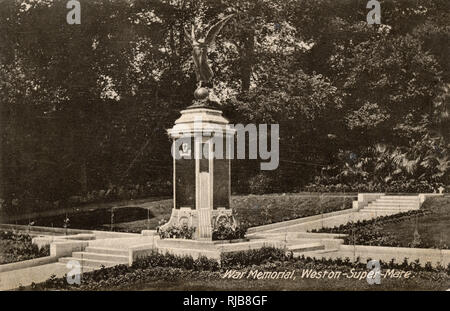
(400, 197)
(395, 202)
(101, 257)
(105, 250)
(306, 247)
(85, 268)
(374, 213)
(314, 253)
(393, 209)
(89, 262)
(392, 205)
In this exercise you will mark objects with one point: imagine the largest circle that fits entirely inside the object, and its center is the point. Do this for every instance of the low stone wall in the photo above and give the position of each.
(37, 230)
(140, 251)
(65, 248)
(209, 249)
(99, 235)
(41, 241)
(299, 221)
(123, 242)
(149, 233)
(386, 254)
(295, 235)
(27, 263)
(329, 240)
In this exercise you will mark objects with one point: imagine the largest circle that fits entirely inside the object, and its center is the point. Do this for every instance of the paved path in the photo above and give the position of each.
(24, 277)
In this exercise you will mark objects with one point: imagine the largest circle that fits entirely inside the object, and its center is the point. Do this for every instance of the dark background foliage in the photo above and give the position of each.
(85, 107)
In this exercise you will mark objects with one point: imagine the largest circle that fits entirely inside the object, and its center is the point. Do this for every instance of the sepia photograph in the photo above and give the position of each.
(203, 147)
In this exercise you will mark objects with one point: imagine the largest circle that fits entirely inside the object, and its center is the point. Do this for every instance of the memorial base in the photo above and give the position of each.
(190, 217)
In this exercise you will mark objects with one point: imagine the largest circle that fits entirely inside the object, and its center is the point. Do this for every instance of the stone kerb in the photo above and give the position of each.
(386, 254)
(28, 263)
(293, 222)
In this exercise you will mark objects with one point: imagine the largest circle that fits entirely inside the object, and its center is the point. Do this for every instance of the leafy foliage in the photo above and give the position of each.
(252, 257)
(87, 109)
(226, 231)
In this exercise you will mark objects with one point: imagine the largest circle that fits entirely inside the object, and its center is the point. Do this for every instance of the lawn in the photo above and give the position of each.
(426, 228)
(250, 210)
(16, 247)
(121, 218)
(256, 210)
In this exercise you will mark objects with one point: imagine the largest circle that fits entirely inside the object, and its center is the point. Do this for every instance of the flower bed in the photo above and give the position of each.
(16, 247)
(176, 232)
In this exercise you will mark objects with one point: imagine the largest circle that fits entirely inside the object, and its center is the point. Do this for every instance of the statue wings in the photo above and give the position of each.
(191, 36)
(215, 29)
(211, 34)
(200, 49)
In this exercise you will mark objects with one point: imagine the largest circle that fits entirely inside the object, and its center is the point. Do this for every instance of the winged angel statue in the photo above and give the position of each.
(200, 49)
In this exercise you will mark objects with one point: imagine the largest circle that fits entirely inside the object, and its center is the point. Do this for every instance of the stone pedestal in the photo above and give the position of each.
(201, 174)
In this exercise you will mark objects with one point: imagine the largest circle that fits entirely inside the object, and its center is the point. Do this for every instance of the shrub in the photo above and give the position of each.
(18, 247)
(156, 259)
(252, 257)
(226, 231)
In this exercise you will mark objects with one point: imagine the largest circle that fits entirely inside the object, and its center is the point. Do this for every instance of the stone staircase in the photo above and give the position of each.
(393, 203)
(307, 249)
(381, 205)
(315, 253)
(96, 257)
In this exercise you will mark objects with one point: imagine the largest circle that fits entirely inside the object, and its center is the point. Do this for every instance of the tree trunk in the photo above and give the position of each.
(83, 176)
(247, 59)
(2, 150)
